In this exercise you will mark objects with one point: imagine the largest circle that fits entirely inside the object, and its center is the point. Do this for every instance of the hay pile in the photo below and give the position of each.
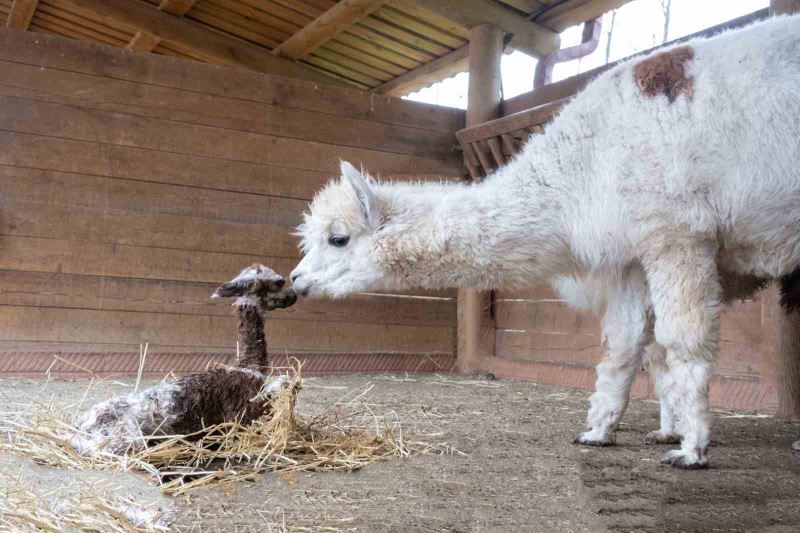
(99, 509)
(346, 437)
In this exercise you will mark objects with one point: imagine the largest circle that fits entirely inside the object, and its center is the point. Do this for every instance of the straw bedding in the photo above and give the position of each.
(346, 437)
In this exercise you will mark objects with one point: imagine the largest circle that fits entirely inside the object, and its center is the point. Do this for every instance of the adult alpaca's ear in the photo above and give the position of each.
(362, 187)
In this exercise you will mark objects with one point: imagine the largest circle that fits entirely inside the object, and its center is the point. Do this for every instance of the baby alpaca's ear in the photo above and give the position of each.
(361, 184)
(232, 288)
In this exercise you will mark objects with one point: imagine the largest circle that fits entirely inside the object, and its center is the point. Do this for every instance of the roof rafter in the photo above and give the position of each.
(176, 7)
(526, 36)
(21, 14)
(144, 41)
(205, 42)
(325, 27)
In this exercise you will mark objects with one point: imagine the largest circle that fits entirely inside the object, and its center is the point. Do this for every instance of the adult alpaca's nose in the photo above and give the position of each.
(300, 288)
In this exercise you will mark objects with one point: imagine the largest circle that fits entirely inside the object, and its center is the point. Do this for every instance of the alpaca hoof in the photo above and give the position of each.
(587, 438)
(685, 460)
(796, 445)
(661, 437)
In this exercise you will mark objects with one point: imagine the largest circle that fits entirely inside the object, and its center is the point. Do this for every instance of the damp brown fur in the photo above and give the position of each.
(665, 74)
(217, 396)
(252, 339)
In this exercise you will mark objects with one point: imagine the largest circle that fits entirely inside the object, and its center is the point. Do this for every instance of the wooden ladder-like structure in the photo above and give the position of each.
(490, 145)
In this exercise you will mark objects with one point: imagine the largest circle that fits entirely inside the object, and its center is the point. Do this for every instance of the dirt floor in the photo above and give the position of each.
(520, 471)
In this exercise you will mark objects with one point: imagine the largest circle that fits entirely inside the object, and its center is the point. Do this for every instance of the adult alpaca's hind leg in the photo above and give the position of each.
(627, 328)
(685, 292)
(656, 363)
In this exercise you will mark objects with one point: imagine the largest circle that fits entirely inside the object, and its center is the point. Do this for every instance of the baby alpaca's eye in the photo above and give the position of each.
(339, 241)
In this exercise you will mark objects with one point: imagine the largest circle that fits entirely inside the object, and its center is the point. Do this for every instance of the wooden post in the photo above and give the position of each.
(789, 325)
(782, 7)
(475, 322)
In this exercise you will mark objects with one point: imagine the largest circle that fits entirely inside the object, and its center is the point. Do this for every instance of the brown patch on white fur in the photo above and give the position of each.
(665, 73)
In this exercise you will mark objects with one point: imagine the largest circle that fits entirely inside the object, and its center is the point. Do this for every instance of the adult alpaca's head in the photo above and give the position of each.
(339, 238)
(362, 235)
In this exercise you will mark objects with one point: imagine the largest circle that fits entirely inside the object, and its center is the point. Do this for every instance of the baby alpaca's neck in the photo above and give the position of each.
(252, 342)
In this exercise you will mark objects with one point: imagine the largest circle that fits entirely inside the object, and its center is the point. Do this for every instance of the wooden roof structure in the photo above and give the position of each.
(388, 46)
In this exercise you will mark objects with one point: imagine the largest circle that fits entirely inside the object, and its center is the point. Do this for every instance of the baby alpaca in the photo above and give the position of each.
(125, 423)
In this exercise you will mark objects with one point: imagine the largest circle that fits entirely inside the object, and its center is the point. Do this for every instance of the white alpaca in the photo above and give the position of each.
(670, 181)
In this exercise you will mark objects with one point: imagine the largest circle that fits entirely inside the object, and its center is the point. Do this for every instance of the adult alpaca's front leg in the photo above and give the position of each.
(627, 328)
(684, 288)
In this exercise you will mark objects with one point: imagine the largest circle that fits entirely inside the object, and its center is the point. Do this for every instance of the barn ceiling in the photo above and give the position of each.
(391, 46)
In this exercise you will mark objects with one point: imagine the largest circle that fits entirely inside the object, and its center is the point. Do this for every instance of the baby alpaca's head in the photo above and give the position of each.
(260, 286)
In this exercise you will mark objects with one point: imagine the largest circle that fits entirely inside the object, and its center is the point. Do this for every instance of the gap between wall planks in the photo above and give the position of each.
(117, 221)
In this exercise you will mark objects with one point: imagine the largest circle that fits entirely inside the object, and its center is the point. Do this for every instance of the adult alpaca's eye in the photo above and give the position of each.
(339, 241)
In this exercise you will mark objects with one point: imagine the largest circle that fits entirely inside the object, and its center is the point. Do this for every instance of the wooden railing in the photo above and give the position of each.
(489, 145)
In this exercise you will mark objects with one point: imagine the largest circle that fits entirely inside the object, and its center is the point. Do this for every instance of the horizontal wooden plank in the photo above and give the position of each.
(96, 92)
(539, 292)
(36, 254)
(80, 157)
(56, 120)
(545, 316)
(36, 289)
(37, 203)
(57, 325)
(548, 347)
(76, 56)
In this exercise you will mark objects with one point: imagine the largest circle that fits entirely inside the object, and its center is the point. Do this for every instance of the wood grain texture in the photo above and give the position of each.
(56, 325)
(93, 92)
(213, 45)
(114, 63)
(325, 27)
(124, 203)
(21, 14)
(143, 42)
(527, 36)
(94, 292)
(56, 120)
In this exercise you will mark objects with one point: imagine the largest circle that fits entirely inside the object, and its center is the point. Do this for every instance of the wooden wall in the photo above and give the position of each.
(539, 337)
(132, 184)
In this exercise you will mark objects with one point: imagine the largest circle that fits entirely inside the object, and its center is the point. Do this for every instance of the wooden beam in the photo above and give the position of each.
(526, 36)
(176, 7)
(574, 12)
(207, 43)
(443, 67)
(326, 27)
(784, 7)
(143, 42)
(146, 42)
(21, 14)
(476, 328)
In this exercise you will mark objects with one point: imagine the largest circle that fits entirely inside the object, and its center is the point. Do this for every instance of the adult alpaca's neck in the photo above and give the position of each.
(505, 231)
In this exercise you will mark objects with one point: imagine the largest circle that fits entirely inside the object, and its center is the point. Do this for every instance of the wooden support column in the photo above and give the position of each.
(782, 7)
(475, 316)
(789, 325)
